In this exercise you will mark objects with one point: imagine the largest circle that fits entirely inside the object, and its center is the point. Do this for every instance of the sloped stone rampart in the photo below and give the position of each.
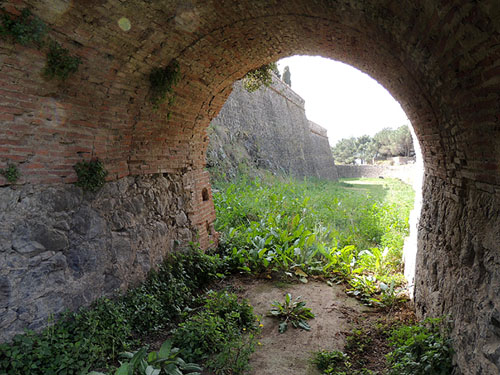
(268, 129)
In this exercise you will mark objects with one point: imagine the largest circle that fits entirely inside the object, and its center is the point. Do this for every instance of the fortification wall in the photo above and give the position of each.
(268, 129)
(407, 173)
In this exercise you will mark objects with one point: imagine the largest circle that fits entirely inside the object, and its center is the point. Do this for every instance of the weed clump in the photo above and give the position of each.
(420, 349)
(91, 175)
(11, 173)
(294, 312)
(60, 63)
(23, 29)
(162, 82)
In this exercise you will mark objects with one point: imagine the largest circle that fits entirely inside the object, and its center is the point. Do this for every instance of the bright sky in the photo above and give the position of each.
(342, 99)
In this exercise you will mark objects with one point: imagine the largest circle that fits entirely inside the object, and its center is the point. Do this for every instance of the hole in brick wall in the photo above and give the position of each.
(204, 194)
(209, 230)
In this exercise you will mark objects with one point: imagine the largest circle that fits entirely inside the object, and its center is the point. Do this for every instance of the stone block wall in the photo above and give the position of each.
(62, 248)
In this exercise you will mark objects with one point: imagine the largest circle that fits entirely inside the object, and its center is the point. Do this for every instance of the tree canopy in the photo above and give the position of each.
(386, 143)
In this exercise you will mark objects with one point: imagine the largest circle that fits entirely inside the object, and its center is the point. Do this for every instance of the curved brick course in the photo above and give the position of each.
(439, 59)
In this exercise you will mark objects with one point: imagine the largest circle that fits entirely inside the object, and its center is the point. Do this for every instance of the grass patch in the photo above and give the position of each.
(350, 231)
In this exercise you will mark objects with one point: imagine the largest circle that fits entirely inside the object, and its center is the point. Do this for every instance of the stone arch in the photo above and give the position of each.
(439, 60)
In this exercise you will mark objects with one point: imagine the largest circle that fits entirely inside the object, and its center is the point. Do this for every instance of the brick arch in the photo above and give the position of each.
(438, 59)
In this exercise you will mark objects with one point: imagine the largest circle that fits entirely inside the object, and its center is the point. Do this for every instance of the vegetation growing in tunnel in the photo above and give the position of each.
(292, 312)
(162, 82)
(262, 76)
(342, 231)
(60, 63)
(93, 338)
(28, 29)
(23, 29)
(91, 174)
(420, 349)
(11, 173)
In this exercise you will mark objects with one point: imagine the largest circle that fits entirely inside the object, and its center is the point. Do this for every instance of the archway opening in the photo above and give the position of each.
(439, 60)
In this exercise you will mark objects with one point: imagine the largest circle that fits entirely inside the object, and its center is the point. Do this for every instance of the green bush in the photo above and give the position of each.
(219, 324)
(230, 309)
(202, 335)
(74, 344)
(234, 357)
(261, 76)
(420, 350)
(330, 362)
(162, 82)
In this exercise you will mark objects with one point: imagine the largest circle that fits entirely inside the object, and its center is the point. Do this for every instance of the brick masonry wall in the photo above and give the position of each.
(439, 59)
(268, 129)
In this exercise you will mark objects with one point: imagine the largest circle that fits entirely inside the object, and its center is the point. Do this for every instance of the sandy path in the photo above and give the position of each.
(289, 353)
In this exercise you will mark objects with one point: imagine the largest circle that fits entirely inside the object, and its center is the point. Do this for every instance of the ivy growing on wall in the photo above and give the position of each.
(11, 173)
(91, 174)
(261, 76)
(23, 29)
(28, 29)
(60, 63)
(163, 81)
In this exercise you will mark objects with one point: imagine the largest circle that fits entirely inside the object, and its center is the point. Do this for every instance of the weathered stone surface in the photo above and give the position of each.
(63, 249)
(458, 270)
(268, 129)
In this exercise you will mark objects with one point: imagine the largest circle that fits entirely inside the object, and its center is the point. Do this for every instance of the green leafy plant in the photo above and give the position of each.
(234, 357)
(91, 174)
(60, 63)
(23, 29)
(314, 227)
(230, 308)
(221, 333)
(420, 349)
(331, 362)
(11, 173)
(163, 81)
(293, 312)
(261, 76)
(165, 361)
(92, 338)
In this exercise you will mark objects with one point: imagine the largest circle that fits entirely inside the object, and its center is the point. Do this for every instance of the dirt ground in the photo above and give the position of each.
(289, 353)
